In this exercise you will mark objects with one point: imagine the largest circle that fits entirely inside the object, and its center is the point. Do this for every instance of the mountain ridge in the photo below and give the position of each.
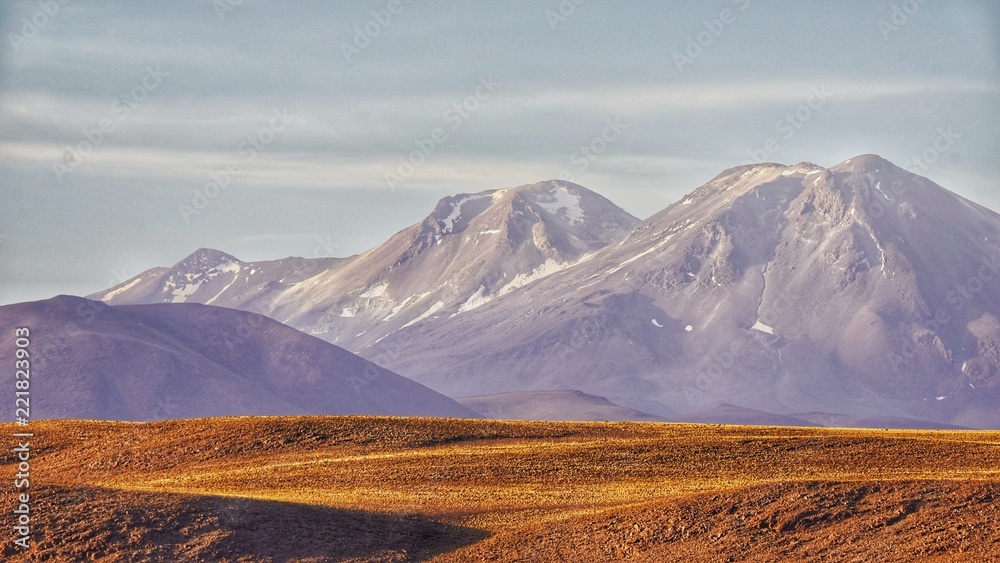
(777, 288)
(799, 255)
(471, 248)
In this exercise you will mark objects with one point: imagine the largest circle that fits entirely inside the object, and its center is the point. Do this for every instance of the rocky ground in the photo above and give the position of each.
(407, 489)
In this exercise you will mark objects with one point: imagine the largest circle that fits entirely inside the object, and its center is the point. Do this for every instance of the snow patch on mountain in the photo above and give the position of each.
(112, 294)
(546, 268)
(802, 168)
(216, 296)
(228, 267)
(641, 254)
(433, 309)
(181, 294)
(411, 299)
(375, 291)
(878, 186)
(232, 268)
(880, 248)
(195, 281)
(456, 212)
(477, 299)
(563, 199)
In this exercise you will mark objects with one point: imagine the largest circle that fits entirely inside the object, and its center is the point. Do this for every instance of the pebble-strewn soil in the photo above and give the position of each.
(407, 489)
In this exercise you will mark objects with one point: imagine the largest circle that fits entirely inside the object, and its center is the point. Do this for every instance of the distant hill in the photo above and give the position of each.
(147, 362)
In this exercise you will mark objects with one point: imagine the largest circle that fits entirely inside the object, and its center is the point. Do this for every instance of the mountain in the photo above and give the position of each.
(861, 289)
(471, 249)
(212, 277)
(144, 362)
(551, 405)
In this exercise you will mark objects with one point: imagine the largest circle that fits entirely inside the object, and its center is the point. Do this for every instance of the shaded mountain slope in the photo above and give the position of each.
(144, 362)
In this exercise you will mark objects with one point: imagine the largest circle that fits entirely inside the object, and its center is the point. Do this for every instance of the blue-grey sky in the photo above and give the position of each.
(341, 123)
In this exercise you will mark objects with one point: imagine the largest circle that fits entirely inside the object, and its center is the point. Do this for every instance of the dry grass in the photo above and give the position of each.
(395, 489)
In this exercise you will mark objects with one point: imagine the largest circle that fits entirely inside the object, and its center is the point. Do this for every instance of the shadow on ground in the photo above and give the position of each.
(93, 523)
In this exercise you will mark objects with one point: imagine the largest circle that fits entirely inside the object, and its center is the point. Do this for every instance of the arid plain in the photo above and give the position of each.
(415, 489)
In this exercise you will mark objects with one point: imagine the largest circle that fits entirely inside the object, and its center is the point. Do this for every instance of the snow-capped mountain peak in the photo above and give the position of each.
(471, 249)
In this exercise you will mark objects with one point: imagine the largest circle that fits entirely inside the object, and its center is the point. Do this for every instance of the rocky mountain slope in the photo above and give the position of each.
(471, 249)
(212, 277)
(860, 289)
(148, 362)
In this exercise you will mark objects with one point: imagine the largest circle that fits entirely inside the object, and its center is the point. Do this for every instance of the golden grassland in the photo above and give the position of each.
(402, 489)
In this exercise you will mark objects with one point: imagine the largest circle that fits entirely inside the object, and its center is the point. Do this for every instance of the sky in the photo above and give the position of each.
(135, 132)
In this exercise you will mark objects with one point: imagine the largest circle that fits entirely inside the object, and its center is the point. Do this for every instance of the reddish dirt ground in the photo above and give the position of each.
(404, 489)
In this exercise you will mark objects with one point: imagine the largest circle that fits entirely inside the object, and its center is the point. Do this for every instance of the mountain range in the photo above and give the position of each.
(860, 290)
(471, 249)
